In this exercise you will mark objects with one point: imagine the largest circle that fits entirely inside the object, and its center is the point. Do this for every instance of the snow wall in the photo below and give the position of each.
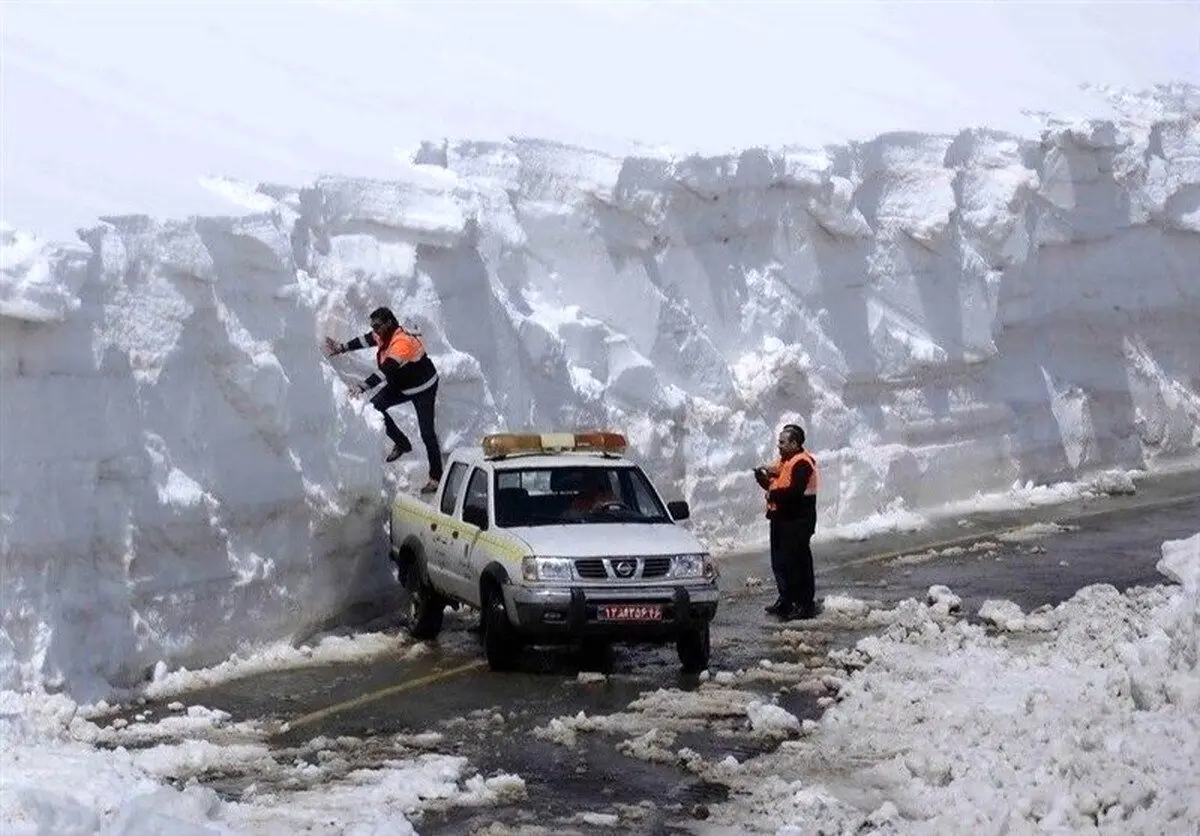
(947, 315)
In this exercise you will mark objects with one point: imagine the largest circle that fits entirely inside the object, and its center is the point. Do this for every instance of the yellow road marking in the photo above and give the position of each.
(372, 696)
(880, 557)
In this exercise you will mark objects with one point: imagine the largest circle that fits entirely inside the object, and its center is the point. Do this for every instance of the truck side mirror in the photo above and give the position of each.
(678, 509)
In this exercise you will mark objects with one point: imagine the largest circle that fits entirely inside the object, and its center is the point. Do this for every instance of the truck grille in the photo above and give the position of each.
(591, 568)
(656, 567)
(600, 569)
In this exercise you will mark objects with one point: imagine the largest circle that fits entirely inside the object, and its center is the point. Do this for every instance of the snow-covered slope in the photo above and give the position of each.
(113, 107)
(946, 314)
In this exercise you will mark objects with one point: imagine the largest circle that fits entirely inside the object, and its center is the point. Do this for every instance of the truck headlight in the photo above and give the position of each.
(546, 568)
(693, 566)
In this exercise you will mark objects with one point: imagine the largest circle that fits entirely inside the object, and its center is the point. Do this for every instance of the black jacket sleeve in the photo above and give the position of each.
(367, 340)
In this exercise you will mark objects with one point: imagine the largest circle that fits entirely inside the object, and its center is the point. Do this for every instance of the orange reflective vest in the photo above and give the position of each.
(781, 476)
(403, 347)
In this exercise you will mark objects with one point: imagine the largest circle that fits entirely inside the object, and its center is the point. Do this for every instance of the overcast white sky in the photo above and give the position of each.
(115, 108)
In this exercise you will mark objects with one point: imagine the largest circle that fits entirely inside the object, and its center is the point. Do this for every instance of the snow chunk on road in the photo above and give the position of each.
(845, 605)
(771, 720)
(943, 599)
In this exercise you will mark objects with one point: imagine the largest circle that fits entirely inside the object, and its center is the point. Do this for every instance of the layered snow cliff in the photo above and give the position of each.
(945, 314)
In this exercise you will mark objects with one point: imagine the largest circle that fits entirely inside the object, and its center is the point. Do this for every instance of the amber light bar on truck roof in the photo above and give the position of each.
(498, 445)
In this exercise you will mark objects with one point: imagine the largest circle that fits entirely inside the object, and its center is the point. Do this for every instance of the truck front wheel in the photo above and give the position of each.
(500, 641)
(693, 647)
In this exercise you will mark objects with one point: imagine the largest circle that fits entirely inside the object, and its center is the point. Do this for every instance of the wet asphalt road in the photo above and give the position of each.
(490, 718)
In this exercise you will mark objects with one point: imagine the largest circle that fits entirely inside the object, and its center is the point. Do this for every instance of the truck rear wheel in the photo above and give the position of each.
(693, 647)
(426, 607)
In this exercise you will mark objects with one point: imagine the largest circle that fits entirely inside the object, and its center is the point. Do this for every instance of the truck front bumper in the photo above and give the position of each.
(564, 614)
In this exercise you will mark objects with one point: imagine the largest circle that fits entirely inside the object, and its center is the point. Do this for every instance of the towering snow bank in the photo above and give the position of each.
(946, 314)
(179, 474)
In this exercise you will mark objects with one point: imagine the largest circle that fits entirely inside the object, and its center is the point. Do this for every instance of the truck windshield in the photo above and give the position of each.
(566, 495)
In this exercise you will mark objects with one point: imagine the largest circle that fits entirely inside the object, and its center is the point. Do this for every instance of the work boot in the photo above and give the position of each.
(430, 487)
(775, 609)
(398, 450)
(798, 612)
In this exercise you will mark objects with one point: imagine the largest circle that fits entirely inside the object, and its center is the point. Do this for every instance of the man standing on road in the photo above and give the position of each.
(791, 483)
(410, 376)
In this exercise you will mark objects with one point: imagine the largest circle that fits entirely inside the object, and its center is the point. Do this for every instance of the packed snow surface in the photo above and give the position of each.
(1087, 719)
(72, 773)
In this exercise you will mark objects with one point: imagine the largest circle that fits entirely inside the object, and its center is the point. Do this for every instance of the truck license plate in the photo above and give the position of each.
(630, 612)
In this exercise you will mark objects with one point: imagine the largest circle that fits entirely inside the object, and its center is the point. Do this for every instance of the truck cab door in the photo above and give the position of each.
(440, 529)
(474, 516)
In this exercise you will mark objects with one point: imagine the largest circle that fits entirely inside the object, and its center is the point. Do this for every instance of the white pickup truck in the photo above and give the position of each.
(555, 538)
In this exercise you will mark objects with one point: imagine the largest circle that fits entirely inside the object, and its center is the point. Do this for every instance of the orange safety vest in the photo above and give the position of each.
(781, 475)
(403, 347)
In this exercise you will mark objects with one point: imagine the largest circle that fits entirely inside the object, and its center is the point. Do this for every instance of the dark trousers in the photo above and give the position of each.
(792, 561)
(423, 403)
